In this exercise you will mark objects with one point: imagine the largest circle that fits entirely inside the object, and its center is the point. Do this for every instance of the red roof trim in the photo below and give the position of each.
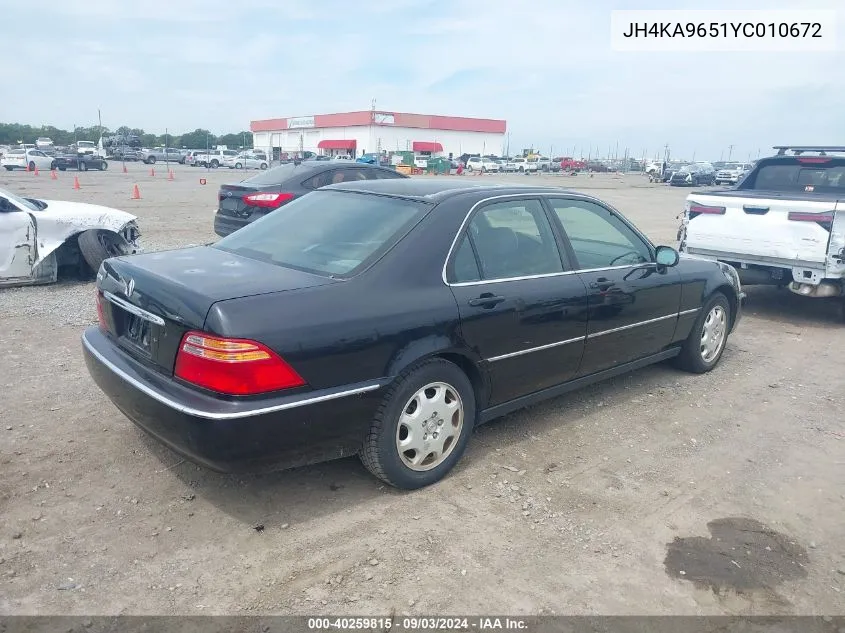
(426, 146)
(337, 144)
(400, 119)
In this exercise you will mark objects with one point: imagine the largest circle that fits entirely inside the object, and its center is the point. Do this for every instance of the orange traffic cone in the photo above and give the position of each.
(136, 193)
(76, 182)
(153, 172)
(125, 171)
(36, 170)
(170, 174)
(53, 175)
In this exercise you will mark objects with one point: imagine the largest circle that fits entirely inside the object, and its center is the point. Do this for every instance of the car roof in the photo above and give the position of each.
(437, 189)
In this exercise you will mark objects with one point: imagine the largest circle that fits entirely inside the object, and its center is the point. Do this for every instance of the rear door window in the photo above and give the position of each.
(511, 239)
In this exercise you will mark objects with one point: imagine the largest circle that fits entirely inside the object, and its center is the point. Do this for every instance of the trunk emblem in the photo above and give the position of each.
(129, 288)
(228, 194)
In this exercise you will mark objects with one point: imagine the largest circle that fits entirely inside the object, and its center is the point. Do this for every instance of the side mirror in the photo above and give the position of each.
(666, 256)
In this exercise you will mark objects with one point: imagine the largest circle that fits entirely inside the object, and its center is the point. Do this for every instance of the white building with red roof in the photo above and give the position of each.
(368, 131)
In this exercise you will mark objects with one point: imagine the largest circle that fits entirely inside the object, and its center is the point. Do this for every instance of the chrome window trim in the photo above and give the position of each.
(138, 312)
(545, 195)
(214, 415)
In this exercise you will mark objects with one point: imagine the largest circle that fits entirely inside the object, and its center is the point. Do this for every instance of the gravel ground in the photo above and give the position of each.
(654, 493)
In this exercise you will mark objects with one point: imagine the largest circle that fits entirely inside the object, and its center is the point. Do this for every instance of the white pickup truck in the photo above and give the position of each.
(783, 224)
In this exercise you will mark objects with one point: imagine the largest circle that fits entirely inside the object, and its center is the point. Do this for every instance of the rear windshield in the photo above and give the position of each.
(809, 175)
(327, 232)
(277, 175)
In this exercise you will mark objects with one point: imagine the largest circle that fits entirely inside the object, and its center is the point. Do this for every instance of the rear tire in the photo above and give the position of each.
(238, 165)
(151, 160)
(435, 384)
(82, 166)
(97, 246)
(262, 166)
(32, 165)
(215, 164)
(103, 165)
(706, 342)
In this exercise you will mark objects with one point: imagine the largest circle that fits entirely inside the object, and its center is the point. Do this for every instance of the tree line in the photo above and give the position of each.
(14, 133)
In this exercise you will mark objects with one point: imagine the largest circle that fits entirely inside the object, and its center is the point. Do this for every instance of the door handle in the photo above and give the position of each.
(602, 283)
(487, 300)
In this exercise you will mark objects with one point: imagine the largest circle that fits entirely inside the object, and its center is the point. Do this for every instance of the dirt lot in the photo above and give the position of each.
(654, 493)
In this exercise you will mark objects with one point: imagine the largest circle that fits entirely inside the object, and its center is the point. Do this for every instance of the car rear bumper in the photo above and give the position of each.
(233, 435)
(226, 224)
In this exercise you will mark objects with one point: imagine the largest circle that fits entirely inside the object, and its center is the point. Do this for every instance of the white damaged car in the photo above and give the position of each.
(38, 237)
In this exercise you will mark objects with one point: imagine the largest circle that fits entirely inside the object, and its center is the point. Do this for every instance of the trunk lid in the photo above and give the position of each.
(231, 200)
(151, 300)
(760, 225)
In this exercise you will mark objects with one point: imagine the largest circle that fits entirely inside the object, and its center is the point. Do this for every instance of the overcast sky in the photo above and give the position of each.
(545, 66)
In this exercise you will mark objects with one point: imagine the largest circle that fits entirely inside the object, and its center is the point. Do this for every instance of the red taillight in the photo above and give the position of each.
(700, 208)
(237, 367)
(802, 216)
(813, 160)
(267, 200)
(101, 316)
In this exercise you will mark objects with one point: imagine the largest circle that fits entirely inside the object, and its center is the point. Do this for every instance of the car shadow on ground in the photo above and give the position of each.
(319, 491)
(783, 306)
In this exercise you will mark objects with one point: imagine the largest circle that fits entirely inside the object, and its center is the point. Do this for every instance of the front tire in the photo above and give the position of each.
(96, 246)
(238, 165)
(215, 164)
(103, 166)
(32, 165)
(263, 166)
(422, 426)
(704, 346)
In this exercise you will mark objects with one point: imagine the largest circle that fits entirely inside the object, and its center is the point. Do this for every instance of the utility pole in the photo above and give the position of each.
(730, 151)
(666, 153)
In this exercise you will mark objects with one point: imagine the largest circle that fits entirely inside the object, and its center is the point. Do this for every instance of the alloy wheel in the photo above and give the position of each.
(429, 427)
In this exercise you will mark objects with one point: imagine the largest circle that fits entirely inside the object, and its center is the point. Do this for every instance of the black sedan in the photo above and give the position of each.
(82, 162)
(253, 198)
(693, 176)
(388, 318)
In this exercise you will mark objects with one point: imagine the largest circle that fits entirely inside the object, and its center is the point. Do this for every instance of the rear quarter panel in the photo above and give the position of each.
(372, 326)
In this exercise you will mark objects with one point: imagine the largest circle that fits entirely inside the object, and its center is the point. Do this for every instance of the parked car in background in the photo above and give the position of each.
(693, 175)
(43, 142)
(81, 162)
(246, 160)
(84, 147)
(38, 237)
(782, 225)
(306, 336)
(482, 164)
(162, 154)
(244, 202)
(124, 153)
(26, 158)
(731, 173)
(213, 158)
(507, 165)
(524, 166)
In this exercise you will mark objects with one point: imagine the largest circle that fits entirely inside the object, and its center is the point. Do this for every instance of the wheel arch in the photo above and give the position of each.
(427, 349)
(733, 299)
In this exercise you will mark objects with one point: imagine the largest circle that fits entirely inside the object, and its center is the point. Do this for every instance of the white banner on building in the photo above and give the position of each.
(302, 121)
